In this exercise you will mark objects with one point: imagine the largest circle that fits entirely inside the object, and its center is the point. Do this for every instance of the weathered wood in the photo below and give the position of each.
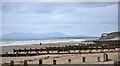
(63, 48)
(19, 50)
(37, 52)
(30, 50)
(33, 54)
(41, 49)
(17, 54)
(97, 48)
(25, 63)
(40, 62)
(12, 63)
(105, 56)
(69, 60)
(14, 51)
(74, 47)
(79, 48)
(58, 50)
(68, 50)
(27, 54)
(35, 49)
(108, 48)
(83, 59)
(47, 50)
(90, 49)
(98, 59)
(102, 48)
(51, 49)
(6, 54)
(25, 49)
(54, 62)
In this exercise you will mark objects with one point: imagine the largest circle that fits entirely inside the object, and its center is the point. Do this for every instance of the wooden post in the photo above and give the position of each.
(108, 48)
(6, 54)
(98, 59)
(97, 48)
(30, 50)
(27, 54)
(19, 50)
(25, 63)
(13, 50)
(12, 63)
(105, 56)
(68, 50)
(90, 49)
(41, 49)
(35, 49)
(69, 60)
(63, 48)
(58, 50)
(54, 62)
(83, 59)
(40, 62)
(24, 50)
(114, 48)
(102, 48)
(79, 49)
(52, 49)
(85, 48)
(37, 52)
(17, 54)
(74, 47)
(47, 50)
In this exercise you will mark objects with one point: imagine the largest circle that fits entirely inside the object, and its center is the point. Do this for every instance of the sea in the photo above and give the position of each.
(18, 42)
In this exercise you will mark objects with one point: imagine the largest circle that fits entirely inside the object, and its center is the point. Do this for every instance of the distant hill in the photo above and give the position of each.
(81, 36)
(20, 35)
(111, 36)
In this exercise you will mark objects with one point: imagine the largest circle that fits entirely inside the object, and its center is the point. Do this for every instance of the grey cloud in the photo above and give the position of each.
(49, 7)
(69, 18)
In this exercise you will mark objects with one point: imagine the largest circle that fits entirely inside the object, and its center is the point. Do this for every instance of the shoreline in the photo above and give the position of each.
(43, 41)
(10, 48)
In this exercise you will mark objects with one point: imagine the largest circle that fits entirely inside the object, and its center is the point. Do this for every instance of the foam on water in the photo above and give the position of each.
(43, 41)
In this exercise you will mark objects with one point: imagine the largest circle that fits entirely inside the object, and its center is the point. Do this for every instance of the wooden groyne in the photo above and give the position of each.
(56, 62)
(98, 45)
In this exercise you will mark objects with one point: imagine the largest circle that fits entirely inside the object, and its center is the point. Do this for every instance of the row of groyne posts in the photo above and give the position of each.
(105, 56)
(64, 49)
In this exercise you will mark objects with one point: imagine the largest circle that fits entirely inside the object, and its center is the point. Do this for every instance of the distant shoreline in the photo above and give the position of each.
(56, 38)
(70, 37)
(22, 42)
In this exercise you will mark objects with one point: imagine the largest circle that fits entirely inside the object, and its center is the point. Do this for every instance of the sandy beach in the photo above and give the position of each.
(60, 58)
(63, 59)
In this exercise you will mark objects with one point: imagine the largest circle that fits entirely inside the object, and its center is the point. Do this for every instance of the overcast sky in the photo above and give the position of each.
(80, 18)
